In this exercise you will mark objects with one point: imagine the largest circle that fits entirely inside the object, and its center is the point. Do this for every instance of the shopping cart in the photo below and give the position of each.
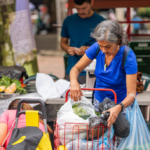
(30, 137)
(74, 132)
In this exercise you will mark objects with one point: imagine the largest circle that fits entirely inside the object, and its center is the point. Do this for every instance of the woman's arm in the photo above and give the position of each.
(129, 99)
(3, 132)
(75, 90)
(131, 89)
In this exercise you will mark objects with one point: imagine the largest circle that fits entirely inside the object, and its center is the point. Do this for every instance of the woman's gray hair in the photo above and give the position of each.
(110, 31)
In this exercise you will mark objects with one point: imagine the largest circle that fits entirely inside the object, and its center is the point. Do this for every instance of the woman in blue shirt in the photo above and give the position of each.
(111, 39)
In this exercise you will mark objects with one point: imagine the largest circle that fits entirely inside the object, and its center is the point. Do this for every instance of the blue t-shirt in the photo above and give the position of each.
(114, 77)
(78, 30)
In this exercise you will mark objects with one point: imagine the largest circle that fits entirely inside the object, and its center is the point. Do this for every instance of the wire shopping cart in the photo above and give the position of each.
(75, 136)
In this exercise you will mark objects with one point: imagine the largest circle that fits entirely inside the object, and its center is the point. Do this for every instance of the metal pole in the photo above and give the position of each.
(58, 19)
(128, 21)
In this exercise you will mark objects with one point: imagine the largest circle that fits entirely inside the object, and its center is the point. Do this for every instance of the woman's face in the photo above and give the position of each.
(108, 48)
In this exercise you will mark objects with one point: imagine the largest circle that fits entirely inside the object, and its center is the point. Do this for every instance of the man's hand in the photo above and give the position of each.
(81, 50)
(71, 51)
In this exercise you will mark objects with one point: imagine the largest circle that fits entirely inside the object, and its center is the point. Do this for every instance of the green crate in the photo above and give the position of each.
(142, 67)
(140, 47)
(146, 78)
(142, 52)
(66, 60)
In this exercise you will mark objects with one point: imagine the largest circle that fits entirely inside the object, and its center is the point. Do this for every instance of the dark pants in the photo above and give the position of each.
(81, 79)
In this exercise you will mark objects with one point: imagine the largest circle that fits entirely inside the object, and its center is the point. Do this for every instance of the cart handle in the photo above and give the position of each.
(95, 89)
(33, 101)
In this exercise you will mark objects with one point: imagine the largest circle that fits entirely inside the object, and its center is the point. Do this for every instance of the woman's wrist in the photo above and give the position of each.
(119, 108)
(73, 81)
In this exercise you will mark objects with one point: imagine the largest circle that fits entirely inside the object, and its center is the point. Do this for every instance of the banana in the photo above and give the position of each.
(2, 88)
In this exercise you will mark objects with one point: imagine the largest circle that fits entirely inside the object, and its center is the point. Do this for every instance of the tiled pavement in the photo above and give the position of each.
(51, 65)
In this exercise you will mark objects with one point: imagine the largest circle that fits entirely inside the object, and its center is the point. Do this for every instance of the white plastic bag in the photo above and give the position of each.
(49, 89)
(139, 137)
(70, 124)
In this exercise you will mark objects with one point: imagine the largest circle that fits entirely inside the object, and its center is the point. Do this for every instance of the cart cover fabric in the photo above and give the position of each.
(29, 138)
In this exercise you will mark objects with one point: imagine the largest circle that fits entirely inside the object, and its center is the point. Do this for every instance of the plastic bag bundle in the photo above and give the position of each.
(121, 125)
(94, 123)
(139, 137)
(13, 72)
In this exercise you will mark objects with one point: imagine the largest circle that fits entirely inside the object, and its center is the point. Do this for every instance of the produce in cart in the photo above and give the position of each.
(80, 111)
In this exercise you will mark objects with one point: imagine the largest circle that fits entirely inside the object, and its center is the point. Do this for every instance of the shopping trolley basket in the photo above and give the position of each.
(75, 136)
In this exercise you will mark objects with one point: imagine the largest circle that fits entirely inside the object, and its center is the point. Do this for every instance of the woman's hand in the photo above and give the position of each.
(114, 112)
(75, 90)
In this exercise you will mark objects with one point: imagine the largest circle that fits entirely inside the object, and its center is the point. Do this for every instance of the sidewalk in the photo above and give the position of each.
(51, 65)
(50, 59)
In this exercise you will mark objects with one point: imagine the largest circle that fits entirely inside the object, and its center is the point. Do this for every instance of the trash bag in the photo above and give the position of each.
(121, 125)
(94, 124)
(102, 143)
(70, 124)
(13, 72)
(139, 137)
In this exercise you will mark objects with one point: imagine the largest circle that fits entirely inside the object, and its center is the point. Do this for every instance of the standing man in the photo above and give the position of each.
(77, 28)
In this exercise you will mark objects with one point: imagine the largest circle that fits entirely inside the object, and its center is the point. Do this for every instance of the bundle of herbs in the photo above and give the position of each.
(80, 111)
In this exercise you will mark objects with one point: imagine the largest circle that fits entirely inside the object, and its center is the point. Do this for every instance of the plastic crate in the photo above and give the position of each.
(66, 60)
(142, 52)
(146, 80)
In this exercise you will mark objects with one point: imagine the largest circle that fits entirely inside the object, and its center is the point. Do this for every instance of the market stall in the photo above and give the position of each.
(46, 93)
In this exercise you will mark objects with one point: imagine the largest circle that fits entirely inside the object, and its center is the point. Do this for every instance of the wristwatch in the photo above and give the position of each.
(122, 106)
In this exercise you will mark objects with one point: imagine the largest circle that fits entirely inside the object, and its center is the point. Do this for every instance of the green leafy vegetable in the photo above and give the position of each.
(97, 113)
(75, 105)
(80, 111)
(6, 81)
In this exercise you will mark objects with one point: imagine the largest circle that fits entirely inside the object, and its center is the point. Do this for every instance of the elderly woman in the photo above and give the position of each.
(111, 40)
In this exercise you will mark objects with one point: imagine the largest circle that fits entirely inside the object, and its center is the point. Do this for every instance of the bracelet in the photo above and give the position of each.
(132, 95)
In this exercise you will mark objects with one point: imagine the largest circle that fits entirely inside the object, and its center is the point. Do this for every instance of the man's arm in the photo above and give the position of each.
(64, 45)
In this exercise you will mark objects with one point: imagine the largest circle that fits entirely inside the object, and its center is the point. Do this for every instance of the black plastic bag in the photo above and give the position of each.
(121, 125)
(94, 123)
(13, 72)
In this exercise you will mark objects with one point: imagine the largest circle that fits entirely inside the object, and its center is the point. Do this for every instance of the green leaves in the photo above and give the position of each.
(97, 113)
(6, 81)
(75, 105)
